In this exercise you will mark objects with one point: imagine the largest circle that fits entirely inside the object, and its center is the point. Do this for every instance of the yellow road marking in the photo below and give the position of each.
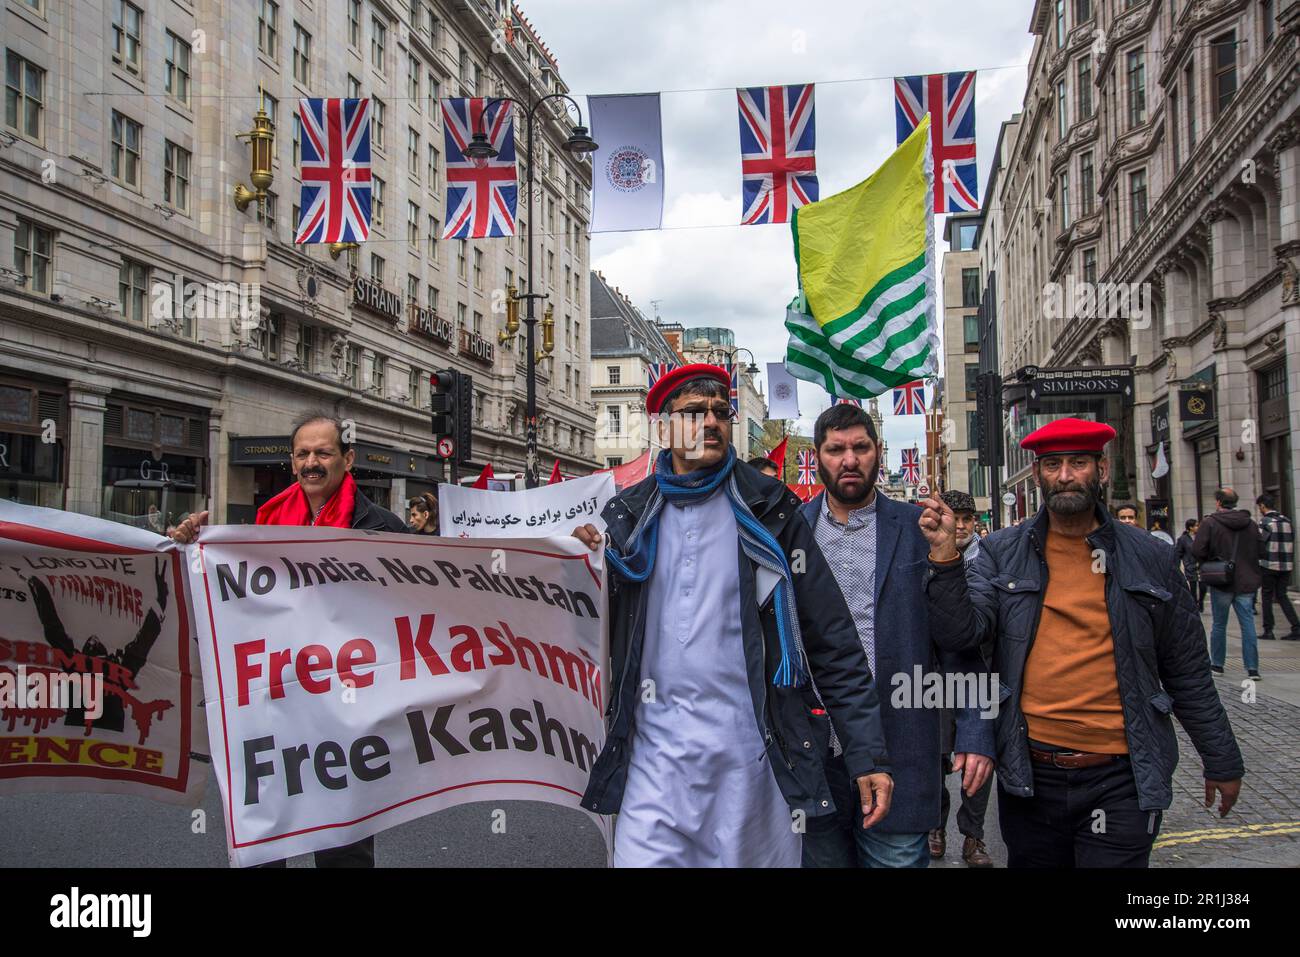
(1225, 833)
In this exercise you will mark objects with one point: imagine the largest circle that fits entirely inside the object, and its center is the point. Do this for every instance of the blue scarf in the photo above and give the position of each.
(755, 539)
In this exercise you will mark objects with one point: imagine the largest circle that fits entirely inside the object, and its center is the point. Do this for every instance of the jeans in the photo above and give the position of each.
(1274, 588)
(360, 854)
(1244, 603)
(838, 840)
(970, 816)
(1082, 817)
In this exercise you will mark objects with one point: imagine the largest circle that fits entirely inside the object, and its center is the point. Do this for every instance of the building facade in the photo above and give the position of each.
(717, 345)
(153, 336)
(1151, 244)
(624, 344)
(962, 289)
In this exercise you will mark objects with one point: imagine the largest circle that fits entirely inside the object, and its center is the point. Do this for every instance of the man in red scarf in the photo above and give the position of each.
(324, 494)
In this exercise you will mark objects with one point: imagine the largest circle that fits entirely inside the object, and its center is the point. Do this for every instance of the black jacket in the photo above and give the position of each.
(1215, 539)
(1160, 655)
(795, 738)
(1183, 549)
(366, 514)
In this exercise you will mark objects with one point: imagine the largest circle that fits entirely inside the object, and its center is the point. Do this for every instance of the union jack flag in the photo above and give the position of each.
(656, 371)
(845, 400)
(777, 139)
(334, 198)
(733, 371)
(911, 466)
(909, 399)
(807, 463)
(952, 132)
(481, 193)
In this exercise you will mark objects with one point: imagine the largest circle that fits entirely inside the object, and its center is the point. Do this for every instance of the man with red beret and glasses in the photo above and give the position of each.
(723, 615)
(1096, 641)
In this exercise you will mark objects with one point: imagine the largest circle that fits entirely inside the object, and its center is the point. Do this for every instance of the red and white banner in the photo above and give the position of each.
(98, 671)
(356, 680)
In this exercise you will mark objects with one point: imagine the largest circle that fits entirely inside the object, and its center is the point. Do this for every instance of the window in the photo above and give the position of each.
(1190, 87)
(378, 371)
(306, 348)
(1087, 188)
(1083, 89)
(614, 419)
(271, 339)
(976, 477)
(431, 90)
(301, 54)
(1090, 265)
(1062, 121)
(272, 107)
(268, 28)
(433, 236)
(132, 280)
(478, 323)
(176, 176)
(412, 288)
(376, 202)
(33, 251)
(266, 211)
(1082, 10)
(297, 139)
(612, 460)
(176, 78)
(1266, 14)
(1065, 200)
(126, 34)
(378, 113)
(972, 370)
(433, 168)
(24, 96)
(354, 87)
(972, 429)
(460, 315)
(461, 269)
(413, 386)
(413, 225)
(125, 159)
(971, 332)
(615, 375)
(478, 269)
(550, 269)
(970, 287)
(568, 282)
(377, 268)
(1224, 52)
(432, 297)
(1137, 192)
(1174, 138)
(413, 152)
(354, 23)
(413, 80)
(1137, 87)
(378, 43)
(352, 366)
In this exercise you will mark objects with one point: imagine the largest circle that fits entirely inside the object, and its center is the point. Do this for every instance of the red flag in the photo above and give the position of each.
(777, 455)
(482, 480)
(555, 474)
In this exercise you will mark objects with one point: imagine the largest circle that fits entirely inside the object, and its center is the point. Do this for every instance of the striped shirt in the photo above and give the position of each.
(850, 550)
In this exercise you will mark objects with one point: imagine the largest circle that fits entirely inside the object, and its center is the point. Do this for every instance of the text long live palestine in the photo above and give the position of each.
(237, 582)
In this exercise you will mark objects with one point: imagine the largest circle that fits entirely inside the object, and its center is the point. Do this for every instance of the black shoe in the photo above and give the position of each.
(1216, 669)
(1254, 676)
(1266, 636)
(1293, 636)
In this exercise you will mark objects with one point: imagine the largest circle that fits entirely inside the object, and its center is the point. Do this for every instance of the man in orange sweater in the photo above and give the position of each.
(1096, 642)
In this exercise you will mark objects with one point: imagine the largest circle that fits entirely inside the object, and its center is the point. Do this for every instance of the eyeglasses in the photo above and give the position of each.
(721, 412)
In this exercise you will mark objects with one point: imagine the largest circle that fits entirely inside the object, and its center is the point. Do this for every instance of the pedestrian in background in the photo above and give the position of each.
(1276, 565)
(1126, 513)
(1158, 530)
(1228, 545)
(1191, 567)
(423, 514)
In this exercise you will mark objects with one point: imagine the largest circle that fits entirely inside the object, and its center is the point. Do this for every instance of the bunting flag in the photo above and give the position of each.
(482, 480)
(777, 140)
(556, 477)
(909, 399)
(864, 319)
(334, 198)
(777, 455)
(481, 193)
(806, 462)
(911, 466)
(656, 371)
(733, 372)
(841, 400)
(952, 133)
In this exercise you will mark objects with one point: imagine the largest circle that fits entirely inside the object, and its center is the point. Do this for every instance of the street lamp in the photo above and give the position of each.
(261, 138)
(480, 147)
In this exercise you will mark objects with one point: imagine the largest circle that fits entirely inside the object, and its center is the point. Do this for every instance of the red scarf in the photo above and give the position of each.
(290, 507)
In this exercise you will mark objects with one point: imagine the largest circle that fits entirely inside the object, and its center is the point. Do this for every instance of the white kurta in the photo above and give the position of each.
(700, 791)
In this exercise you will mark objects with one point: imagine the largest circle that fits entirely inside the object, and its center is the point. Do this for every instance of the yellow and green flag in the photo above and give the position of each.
(864, 320)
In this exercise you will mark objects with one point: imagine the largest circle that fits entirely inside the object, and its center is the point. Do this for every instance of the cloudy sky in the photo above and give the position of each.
(703, 268)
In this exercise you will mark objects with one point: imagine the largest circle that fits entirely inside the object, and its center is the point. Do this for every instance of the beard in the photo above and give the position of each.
(849, 498)
(1072, 499)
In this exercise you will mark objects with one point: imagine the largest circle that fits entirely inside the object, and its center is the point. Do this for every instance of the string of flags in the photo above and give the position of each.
(778, 162)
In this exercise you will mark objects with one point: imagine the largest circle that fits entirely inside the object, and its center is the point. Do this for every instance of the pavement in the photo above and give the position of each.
(1263, 830)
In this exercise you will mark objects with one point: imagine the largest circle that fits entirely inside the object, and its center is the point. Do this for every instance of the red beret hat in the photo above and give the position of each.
(1068, 436)
(654, 399)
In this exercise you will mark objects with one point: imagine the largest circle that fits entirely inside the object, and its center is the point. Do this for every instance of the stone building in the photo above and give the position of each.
(717, 345)
(1150, 246)
(962, 289)
(154, 337)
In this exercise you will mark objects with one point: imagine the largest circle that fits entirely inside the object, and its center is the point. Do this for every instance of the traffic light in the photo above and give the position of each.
(444, 392)
(988, 419)
(464, 417)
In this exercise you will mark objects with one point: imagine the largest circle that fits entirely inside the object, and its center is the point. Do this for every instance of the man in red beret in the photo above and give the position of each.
(725, 625)
(1096, 642)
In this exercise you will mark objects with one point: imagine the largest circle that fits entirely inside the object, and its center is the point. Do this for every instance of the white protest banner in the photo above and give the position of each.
(547, 510)
(98, 669)
(356, 680)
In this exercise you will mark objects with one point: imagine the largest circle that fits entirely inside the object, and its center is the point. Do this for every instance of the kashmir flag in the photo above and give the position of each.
(864, 320)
